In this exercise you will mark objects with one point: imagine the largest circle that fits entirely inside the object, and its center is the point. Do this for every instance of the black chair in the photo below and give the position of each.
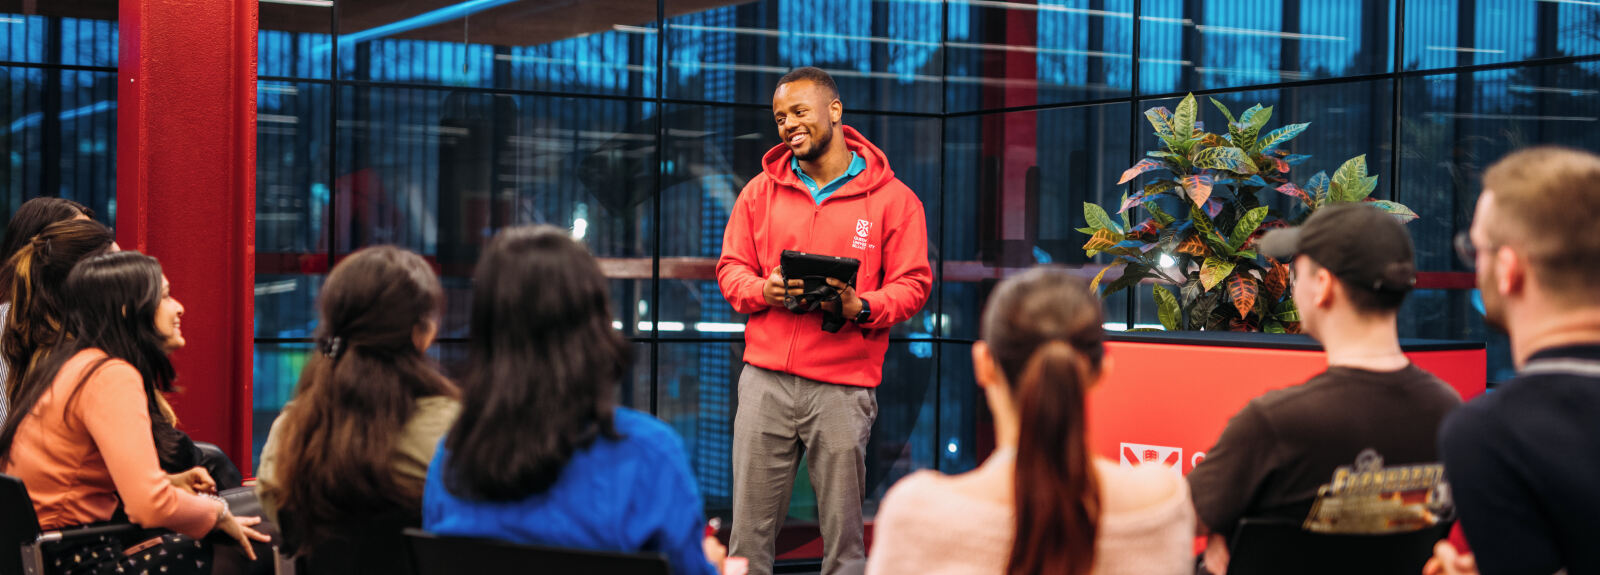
(370, 546)
(440, 555)
(1274, 546)
(21, 537)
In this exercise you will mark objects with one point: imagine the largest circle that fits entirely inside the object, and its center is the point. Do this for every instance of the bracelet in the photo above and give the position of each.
(226, 510)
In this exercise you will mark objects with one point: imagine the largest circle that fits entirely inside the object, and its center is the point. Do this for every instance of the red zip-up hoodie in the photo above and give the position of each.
(873, 218)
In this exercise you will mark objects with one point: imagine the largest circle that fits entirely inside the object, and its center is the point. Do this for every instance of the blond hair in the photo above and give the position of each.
(1546, 199)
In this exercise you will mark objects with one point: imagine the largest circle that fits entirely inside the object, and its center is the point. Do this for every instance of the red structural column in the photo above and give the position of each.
(186, 150)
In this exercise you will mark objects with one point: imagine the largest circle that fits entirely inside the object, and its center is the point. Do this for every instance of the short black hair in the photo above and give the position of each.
(812, 74)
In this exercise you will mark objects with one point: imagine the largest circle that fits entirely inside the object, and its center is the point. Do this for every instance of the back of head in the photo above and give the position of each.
(30, 219)
(1043, 329)
(39, 270)
(1544, 199)
(114, 299)
(545, 364)
(336, 441)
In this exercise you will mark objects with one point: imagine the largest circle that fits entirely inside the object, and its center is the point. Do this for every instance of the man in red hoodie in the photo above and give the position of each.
(824, 190)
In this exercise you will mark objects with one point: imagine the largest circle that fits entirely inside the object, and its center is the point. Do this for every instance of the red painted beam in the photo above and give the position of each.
(186, 192)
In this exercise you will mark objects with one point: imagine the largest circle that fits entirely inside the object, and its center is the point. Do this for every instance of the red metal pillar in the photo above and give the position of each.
(186, 148)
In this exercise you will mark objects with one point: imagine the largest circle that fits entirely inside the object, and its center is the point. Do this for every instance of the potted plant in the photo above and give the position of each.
(1202, 196)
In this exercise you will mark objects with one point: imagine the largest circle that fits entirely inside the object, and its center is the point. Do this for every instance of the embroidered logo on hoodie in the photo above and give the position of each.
(863, 227)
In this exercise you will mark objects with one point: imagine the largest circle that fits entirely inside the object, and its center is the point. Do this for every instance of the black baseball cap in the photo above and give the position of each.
(1362, 245)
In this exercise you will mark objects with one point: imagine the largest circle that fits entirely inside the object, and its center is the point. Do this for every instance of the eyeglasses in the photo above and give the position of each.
(1466, 251)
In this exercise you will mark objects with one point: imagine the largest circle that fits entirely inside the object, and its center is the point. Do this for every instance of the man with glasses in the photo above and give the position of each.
(1524, 460)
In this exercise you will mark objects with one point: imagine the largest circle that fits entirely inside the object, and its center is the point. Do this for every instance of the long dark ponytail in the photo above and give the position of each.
(114, 301)
(356, 396)
(1043, 329)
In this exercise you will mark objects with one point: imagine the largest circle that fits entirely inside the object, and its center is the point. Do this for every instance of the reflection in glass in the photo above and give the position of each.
(1200, 44)
(1010, 54)
(510, 44)
(1449, 33)
(883, 55)
(276, 370)
(294, 40)
(58, 129)
(1017, 183)
(78, 33)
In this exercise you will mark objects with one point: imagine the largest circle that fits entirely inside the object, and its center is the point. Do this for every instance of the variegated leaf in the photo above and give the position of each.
(1213, 271)
(1243, 291)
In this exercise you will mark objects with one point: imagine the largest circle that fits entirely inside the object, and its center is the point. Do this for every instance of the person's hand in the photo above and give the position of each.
(847, 298)
(1447, 561)
(239, 529)
(775, 290)
(1216, 554)
(715, 552)
(195, 481)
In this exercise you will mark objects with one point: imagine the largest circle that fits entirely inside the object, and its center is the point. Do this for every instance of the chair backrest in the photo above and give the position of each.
(370, 546)
(1262, 546)
(19, 525)
(441, 555)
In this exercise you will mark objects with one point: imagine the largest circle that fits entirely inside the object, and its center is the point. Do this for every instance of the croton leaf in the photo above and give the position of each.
(1351, 183)
(1213, 207)
(1198, 187)
(1192, 246)
(1143, 166)
(1127, 222)
(1131, 275)
(1094, 285)
(1243, 289)
(1257, 116)
(1273, 326)
(1247, 225)
(1287, 312)
(1214, 271)
(1161, 119)
(1200, 312)
(1290, 189)
(1296, 159)
(1086, 231)
(1098, 219)
(1318, 187)
(1183, 120)
(1210, 139)
(1148, 227)
(1224, 158)
(1224, 110)
(1165, 155)
(1102, 240)
(1208, 232)
(1167, 310)
(1277, 279)
(1400, 211)
(1281, 135)
(1241, 324)
(1243, 135)
(1160, 215)
(1280, 165)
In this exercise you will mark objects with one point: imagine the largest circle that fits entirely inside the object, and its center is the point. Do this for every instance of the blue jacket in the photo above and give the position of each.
(634, 494)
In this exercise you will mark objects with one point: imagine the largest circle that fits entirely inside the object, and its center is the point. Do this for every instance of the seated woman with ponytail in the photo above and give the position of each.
(348, 456)
(85, 431)
(1042, 503)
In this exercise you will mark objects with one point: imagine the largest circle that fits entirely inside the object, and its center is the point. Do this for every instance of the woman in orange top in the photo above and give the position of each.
(83, 434)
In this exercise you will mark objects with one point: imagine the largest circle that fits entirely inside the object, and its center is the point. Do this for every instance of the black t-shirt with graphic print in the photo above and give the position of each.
(1286, 445)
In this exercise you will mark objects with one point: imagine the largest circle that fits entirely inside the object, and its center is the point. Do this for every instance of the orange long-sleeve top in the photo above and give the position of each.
(80, 458)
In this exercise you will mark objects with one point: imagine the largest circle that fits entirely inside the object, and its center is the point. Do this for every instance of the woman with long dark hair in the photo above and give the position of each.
(353, 445)
(1042, 504)
(542, 454)
(81, 435)
(30, 219)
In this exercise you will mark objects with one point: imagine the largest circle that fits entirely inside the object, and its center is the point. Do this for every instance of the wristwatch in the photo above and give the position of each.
(865, 315)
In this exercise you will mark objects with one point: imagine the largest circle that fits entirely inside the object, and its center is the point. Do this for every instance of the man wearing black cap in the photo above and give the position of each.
(1335, 451)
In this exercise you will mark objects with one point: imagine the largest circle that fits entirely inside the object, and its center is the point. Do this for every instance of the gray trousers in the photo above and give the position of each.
(780, 417)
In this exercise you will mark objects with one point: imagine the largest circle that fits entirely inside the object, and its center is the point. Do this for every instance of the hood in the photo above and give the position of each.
(776, 165)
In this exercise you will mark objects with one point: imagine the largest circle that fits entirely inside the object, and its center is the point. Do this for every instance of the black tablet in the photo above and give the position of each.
(815, 269)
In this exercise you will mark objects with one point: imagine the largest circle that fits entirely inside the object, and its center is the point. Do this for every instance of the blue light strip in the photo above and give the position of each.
(423, 20)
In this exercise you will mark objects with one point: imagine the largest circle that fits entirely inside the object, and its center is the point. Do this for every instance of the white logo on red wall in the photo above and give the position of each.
(1138, 454)
(863, 228)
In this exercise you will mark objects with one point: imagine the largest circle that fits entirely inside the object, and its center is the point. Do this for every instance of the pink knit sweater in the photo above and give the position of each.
(930, 525)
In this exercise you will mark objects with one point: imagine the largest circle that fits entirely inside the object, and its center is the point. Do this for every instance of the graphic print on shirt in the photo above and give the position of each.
(1136, 454)
(1368, 498)
(863, 229)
